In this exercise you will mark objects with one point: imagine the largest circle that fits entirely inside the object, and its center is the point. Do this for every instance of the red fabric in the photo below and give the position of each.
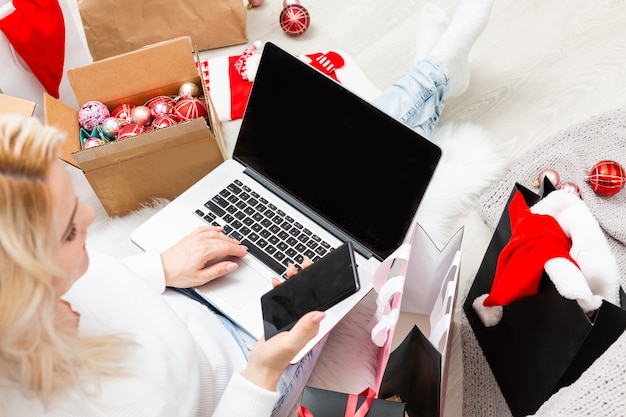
(239, 89)
(535, 239)
(327, 63)
(36, 30)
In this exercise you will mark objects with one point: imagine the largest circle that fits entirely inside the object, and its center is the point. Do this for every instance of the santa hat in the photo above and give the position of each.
(36, 32)
(229, 78)
(538, 242)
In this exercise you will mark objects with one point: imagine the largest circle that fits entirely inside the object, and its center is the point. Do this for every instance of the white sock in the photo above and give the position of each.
(468, 22)
(432, 22)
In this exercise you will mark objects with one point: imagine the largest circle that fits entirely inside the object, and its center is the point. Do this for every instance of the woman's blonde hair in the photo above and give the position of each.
(35, 353)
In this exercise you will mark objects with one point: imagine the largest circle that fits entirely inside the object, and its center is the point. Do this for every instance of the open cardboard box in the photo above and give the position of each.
(160, 163)
(10, 104)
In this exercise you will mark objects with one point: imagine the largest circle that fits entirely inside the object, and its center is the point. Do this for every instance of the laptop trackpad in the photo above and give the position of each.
(238, 287)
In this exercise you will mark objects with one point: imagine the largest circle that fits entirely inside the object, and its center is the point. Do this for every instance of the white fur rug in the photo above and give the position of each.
(471, 161)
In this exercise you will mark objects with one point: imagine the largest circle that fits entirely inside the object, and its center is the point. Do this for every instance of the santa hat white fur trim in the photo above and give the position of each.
(489, 315)
(571, 284)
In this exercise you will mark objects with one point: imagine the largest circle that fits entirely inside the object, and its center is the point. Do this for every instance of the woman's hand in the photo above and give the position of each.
(292, 270)
(201, 256)
(269, 358)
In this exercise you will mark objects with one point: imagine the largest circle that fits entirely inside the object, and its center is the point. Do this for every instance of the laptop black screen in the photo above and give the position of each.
(350, 163)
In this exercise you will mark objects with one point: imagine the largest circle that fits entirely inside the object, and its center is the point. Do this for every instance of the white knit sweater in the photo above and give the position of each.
(185, 364)
(601, 390)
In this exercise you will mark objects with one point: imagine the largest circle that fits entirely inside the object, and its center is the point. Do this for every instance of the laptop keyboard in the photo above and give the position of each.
(271, 235)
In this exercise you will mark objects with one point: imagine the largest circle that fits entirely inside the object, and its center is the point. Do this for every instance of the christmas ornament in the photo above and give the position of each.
(141, 115)
(165, 120)
(89, 136)
(190, 108)
(551, 174)
(130, 130)
(92, 143)
(606, 178)
(36, 31)
(254, 3)
(160, 105)
(92, 113)
(188, 90)
(570, 187)
(111, 126)
(124, 112)
(294, 18)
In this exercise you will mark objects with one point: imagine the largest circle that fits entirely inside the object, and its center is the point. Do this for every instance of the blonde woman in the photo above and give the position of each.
(84, 334)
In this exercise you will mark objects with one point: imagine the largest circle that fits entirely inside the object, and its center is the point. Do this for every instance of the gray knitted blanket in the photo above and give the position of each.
(601, 390)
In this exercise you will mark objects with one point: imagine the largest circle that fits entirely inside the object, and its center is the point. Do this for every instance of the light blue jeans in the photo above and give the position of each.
(417, 98)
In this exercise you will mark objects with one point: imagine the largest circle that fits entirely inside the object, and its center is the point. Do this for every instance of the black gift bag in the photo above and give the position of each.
(543, 342)
(413, 374)
(324, 403)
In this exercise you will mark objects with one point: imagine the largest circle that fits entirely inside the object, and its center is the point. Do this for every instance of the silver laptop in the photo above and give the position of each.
(314, 166)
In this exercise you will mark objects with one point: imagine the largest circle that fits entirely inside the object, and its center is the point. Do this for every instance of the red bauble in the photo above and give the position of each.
(160, 105)
(124, 112)
(165, 120)
(131, 130)
(607, 177)
(190, 108)
(294, 19)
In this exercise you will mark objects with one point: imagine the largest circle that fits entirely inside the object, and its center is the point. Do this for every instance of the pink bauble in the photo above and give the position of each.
(570, 187)
(254, 3)
(111, 126)
(124, 112)
(165, 120)
(131, 130)
(92, 113)
(160, 105)
(607, 178)
(141, 115)
(92, 143)
(190, 108)
(188, 90)
(551, 174)
(295, 19)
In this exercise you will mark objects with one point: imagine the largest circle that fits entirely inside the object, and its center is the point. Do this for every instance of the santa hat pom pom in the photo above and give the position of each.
(489, 315)
(253, 66)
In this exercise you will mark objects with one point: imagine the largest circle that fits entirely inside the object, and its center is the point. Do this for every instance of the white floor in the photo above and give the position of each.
(539, 67)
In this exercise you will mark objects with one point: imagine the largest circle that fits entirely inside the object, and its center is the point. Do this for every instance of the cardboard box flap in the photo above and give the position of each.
(149, 69)
(158, 140)
(10, 104)
(64, 117)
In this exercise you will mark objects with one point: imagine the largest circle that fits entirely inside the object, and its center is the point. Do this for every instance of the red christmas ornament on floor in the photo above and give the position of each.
(607, 178)
(294, 18)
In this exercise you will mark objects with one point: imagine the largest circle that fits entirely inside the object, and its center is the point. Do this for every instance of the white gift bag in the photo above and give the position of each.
(418, 282)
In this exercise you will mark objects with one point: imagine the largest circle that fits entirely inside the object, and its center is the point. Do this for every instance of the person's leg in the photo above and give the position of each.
(417, 99)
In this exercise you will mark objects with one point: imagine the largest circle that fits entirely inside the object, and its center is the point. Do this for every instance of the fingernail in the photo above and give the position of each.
(317, 318)
(245, 247)
(230, 267)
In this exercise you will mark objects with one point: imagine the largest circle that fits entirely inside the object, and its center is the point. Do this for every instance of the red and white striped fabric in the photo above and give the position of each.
(227, 78)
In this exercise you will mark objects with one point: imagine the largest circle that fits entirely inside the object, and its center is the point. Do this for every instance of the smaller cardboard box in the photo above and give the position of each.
(160, 163)
(10, 104)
